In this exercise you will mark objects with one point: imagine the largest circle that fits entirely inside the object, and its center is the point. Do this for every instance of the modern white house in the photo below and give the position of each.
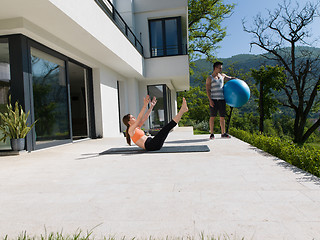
(78, 66)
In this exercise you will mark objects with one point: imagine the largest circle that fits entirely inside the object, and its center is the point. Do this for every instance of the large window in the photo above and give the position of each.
(50, 97)
(165, 37)
(56, 90)
(161, 113)
(4, 83)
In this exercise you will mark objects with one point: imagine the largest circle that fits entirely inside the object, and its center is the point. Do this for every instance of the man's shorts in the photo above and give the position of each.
(219, 106)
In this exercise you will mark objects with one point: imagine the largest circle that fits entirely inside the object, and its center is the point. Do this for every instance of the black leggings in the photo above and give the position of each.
(155, 143)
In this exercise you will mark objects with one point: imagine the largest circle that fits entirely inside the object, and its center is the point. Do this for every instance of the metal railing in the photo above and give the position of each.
(111, 11)
(169, 50)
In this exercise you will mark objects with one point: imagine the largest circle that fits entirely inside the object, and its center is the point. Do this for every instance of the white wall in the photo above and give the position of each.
(158, 5)
(125, 8)
(124, 108)
(131, 98)
(97, 101)
(106, 102)
(167, 67)
(108, 112)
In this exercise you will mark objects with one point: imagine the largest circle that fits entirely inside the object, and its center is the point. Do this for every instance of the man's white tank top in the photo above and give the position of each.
(217, 88)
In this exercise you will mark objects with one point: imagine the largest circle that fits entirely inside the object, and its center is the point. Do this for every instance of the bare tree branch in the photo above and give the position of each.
(281, 35)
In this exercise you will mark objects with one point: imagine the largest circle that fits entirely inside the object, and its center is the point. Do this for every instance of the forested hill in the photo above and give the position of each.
(239, 62)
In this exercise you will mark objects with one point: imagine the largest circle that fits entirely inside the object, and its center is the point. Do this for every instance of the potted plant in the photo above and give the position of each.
(14, 125)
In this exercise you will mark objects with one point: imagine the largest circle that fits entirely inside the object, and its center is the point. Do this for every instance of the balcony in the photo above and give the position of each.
(169, 50)
(114, 15)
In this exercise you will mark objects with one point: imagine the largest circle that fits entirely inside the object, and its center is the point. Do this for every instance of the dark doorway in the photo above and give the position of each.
(78, 96)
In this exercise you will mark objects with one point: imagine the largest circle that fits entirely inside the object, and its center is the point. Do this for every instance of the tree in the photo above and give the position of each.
(204, 23)
(281, 35)
(198, 104)
(268, 79)
(241, 74)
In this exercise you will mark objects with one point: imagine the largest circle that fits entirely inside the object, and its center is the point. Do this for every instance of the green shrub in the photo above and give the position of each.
(186, 122)
(202, 126)
(306, 158)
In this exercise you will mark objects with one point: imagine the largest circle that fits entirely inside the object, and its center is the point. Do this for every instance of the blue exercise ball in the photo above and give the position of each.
(236, 93)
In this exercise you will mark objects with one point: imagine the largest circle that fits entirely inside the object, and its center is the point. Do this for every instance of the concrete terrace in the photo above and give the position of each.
(234, 190)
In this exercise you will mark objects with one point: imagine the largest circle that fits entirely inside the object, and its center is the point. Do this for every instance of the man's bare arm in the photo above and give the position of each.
(208, 88)
(226, 78)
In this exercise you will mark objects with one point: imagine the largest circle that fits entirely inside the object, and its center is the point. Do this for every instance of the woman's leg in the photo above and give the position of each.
(183, 109)
(156, 143)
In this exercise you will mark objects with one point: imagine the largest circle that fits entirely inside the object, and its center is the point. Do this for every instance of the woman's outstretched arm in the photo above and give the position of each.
(146, 101)
(147, 114)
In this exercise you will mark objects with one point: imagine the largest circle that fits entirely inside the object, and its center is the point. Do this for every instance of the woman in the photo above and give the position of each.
(137, 135)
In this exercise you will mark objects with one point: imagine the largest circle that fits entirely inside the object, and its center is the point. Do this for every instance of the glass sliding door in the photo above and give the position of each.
(57, 90)
(161, 113)
(4, 83)
(50, 98)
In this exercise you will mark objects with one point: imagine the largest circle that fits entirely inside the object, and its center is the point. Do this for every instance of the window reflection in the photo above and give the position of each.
(172, 43)
(4, 83)
(157, 48)
(161, 113)
(50, 97)
(165, 39)
(157, 119)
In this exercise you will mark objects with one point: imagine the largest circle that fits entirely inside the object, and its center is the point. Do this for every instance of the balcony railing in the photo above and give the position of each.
(111, 11)
(169, 50)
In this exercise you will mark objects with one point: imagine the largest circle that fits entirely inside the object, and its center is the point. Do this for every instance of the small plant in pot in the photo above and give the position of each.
(14, 125)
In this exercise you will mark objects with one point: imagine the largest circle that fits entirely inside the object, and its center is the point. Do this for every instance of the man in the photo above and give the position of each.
(214, 86)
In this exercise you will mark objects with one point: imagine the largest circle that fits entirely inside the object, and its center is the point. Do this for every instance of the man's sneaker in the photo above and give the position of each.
(211, 136)
(225, 135)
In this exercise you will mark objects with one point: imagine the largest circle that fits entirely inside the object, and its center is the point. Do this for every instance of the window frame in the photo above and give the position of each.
(179, 36)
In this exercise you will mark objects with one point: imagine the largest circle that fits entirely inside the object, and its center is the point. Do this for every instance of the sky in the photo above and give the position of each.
(237, 41)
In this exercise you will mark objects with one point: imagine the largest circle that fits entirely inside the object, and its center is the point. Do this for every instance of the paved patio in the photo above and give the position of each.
(234, 190)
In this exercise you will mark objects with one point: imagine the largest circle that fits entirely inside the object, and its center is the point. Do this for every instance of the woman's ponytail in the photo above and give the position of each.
(128, 137)
(125, 121)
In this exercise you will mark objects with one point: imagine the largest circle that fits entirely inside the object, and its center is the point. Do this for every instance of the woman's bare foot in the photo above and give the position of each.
(184, 107)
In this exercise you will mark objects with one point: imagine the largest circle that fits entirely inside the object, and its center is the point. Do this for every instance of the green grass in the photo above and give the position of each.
(79, 235)
(316, 145)
(198, 132)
